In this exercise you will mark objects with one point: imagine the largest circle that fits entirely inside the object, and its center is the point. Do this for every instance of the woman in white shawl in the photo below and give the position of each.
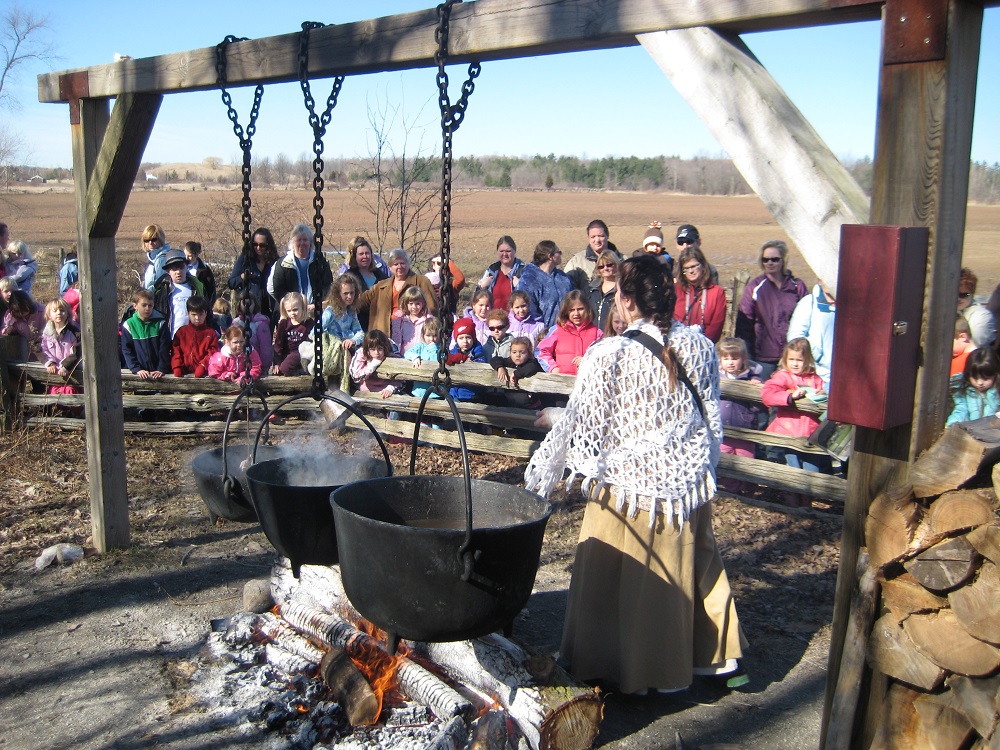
(649, 602)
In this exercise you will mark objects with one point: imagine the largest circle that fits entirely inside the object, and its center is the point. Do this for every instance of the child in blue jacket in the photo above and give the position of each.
(466, 349)
(976, 395)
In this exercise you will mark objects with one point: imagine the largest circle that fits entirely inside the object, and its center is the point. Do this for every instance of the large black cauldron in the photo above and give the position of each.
(230, 500)
(292, 498)
(291, 494)
(403, 564)
(219, 472)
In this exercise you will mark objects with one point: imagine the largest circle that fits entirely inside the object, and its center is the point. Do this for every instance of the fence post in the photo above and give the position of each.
(6, 387)
(734, 294)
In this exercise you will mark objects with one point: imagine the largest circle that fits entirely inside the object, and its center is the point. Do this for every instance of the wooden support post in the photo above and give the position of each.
(106, 155)
(6, 387)
(922, 152)
(777, 151)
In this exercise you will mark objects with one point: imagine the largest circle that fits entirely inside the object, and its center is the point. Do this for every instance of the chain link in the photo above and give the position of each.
(246, 146)
(451, 118)
(318, 124)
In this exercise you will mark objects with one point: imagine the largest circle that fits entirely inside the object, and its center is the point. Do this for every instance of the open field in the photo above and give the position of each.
(732, 228)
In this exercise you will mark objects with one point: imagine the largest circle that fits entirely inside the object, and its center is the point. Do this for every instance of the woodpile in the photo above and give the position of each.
(935, 546)
(491, 678)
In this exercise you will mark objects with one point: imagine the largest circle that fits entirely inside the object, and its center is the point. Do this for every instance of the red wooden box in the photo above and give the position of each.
(880, 298)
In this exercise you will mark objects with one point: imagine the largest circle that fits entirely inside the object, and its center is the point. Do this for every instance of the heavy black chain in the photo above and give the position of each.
(451, 118)
(245, 137)
(318, 123)
(246, 146)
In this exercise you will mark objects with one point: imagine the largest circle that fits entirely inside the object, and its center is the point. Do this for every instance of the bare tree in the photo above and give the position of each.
(404, 205)
(282, 169)
(23, 37)
(304, 169)
(11, 152)
(221, 226)
(263, 170)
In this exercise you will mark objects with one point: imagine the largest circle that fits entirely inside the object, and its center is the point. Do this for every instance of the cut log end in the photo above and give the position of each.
(350, 688)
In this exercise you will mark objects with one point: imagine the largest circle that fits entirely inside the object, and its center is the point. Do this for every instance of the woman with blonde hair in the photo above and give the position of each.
(154, 242)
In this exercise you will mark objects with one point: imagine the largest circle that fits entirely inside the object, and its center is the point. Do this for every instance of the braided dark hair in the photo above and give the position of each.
(644, 280)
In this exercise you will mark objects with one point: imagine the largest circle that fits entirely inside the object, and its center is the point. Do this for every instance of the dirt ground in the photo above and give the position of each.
(86, 649)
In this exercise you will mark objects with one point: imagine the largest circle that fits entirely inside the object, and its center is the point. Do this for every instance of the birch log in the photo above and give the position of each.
(415, 681)
(561, 716)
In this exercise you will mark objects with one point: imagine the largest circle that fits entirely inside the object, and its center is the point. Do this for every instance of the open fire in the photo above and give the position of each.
(313, 674)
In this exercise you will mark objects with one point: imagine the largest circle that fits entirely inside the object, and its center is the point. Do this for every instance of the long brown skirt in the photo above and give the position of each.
(648, 605)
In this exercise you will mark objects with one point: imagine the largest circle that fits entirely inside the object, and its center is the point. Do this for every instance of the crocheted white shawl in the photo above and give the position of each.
(625, 427)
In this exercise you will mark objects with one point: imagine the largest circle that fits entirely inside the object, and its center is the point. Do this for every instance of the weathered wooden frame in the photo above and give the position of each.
(923, 144)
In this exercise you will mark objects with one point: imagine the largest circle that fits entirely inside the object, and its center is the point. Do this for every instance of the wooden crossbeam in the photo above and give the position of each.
(481, 30)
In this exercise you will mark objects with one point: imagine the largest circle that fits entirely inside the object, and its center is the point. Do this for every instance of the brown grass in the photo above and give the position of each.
(732, 227)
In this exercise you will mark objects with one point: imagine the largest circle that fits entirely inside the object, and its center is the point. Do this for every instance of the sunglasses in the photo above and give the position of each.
(498, 328)
(688, 269)
(765, 259)
(261, 245)
(964, 295)
(685, 241)
(606, 265)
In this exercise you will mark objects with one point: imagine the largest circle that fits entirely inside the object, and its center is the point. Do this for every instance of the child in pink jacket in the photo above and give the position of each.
(562, 350)
(794, 380)
(230, 362)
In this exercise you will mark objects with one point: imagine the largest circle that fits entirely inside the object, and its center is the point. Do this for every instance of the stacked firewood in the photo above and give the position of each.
(934, 548)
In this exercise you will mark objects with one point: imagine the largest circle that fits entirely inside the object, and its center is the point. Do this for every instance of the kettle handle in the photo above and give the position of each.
(323, 397)
(465, 553)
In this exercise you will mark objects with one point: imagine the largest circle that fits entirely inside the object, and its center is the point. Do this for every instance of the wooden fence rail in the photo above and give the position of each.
(489, 429)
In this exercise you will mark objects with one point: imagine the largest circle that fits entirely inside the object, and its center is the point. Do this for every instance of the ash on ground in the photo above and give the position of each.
(232, 686)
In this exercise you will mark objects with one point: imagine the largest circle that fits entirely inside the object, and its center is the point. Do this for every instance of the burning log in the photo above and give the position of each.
(286, 661)
(349, 687)
(489, 732)
(557, 716)
(452, 736)
(414, 680)
(287, 639)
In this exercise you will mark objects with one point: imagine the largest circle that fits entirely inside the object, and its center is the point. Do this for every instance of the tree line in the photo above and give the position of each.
(700, 175)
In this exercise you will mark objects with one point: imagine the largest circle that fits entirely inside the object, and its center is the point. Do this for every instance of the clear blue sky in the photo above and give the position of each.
(520, 107)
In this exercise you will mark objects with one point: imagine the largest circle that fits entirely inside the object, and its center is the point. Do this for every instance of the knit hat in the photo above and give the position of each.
(466, 326)
(173, 257)
(688, 232)
(654, 235)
